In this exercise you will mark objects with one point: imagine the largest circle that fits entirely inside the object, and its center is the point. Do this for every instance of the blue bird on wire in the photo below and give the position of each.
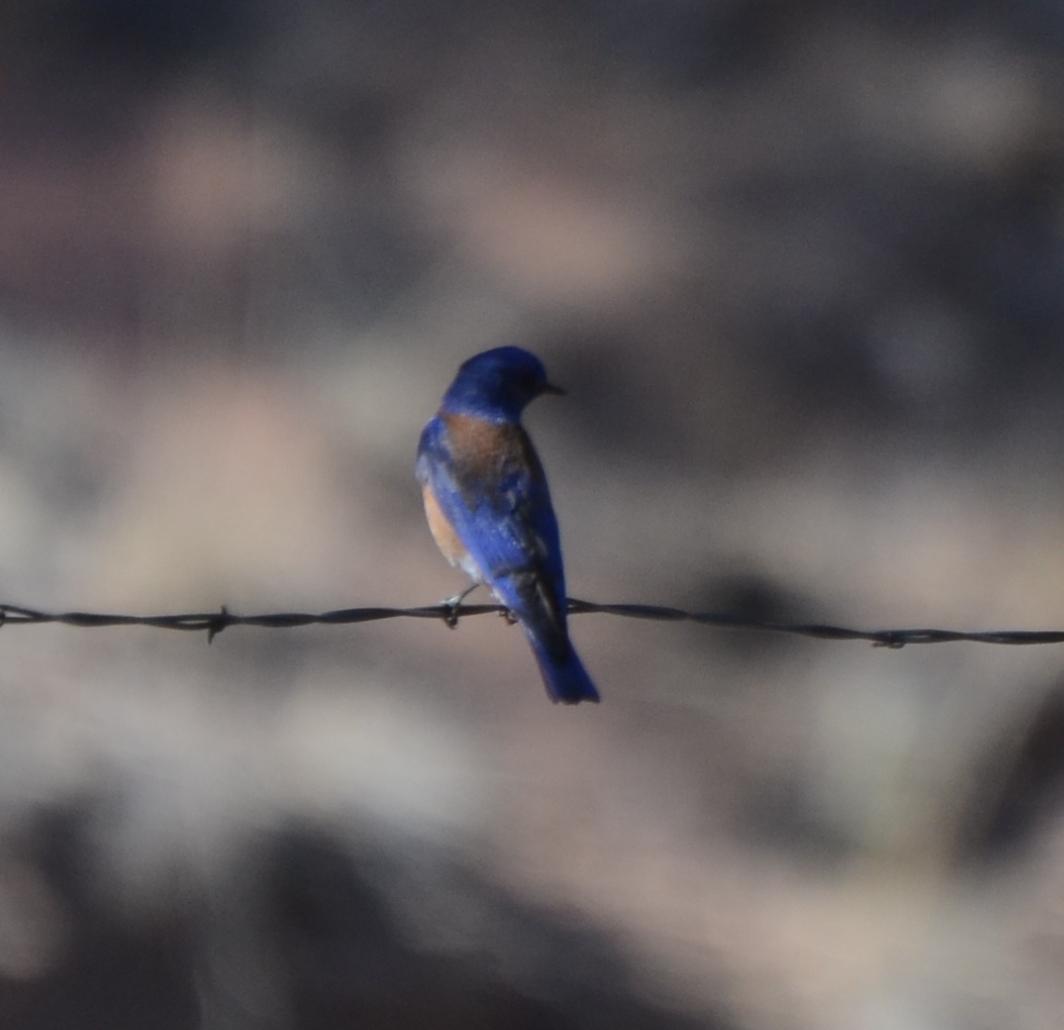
(489, 510)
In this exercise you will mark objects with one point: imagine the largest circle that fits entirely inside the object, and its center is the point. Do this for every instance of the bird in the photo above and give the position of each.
(489, 509)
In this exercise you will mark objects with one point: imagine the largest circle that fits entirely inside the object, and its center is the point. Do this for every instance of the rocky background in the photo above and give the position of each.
(801, 269)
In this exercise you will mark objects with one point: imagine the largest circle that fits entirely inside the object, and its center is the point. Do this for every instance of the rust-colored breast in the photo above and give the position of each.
(443, 533)
(442, 530)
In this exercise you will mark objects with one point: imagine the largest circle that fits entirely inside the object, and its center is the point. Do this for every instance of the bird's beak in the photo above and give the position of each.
(551, 388)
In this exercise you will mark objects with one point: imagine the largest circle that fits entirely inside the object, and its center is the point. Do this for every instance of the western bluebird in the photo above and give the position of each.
(489, 510)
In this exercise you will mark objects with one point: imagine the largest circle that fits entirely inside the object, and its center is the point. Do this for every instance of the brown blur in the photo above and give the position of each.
(801, 272)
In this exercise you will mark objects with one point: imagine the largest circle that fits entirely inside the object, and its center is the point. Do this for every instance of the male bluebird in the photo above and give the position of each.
(489, 509)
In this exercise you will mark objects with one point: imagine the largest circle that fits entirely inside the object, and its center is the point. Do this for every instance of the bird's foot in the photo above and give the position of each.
(452, 604)
(508, 616)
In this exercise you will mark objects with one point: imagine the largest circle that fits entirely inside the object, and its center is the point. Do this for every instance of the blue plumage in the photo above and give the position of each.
(489, 508)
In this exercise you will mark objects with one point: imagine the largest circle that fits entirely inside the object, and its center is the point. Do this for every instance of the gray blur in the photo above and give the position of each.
(801, 270)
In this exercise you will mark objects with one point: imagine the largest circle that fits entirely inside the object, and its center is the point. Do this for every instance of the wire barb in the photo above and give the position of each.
(214, 622)
(217, 624)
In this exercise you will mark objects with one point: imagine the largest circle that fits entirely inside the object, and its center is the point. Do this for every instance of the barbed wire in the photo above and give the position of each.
(212, 623)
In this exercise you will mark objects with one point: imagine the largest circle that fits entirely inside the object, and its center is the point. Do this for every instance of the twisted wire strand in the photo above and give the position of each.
(212, 623)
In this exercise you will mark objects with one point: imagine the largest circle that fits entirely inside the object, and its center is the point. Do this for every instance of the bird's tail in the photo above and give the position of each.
(564, 674)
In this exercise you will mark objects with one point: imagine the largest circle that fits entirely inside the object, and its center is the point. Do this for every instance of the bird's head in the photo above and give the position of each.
(497, 385)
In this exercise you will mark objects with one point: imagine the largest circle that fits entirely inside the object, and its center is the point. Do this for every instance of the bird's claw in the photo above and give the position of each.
(452, 604)
(450, 615)
(508, 616)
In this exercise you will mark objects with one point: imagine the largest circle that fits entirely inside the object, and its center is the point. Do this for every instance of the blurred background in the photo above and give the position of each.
(801, 269)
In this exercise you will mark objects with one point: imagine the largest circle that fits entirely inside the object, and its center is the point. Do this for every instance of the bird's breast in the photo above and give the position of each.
(447, 540)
